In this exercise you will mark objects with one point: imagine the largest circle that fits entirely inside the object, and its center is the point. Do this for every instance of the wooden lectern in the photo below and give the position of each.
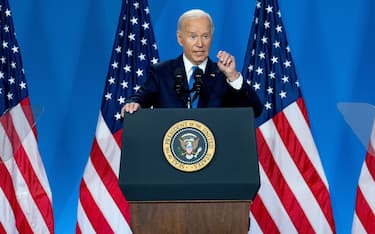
(164, 196)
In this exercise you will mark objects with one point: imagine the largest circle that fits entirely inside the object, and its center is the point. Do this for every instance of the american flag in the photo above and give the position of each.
(25, 196)
(364, 215)
(102, 208)
(294, 194)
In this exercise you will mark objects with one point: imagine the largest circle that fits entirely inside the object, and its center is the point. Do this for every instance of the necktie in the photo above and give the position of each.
(194, 102)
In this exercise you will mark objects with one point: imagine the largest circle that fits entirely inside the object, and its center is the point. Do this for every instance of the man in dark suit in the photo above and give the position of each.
(216, 84)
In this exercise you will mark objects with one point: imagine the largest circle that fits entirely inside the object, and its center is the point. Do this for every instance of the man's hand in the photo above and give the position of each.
(130, 108)
(227, 64)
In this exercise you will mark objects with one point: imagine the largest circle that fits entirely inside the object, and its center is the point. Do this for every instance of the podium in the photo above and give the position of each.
(189, 170)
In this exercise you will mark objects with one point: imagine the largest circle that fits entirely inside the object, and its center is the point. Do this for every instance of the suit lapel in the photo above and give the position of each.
(211, 70)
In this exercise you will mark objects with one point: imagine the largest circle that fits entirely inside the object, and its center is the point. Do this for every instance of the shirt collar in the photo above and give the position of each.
(188, 65)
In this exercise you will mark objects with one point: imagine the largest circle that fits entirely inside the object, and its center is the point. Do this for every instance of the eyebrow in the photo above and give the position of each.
(207, 33)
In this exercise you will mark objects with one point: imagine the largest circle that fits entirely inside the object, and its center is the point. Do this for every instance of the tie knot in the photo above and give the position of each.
(193, 68)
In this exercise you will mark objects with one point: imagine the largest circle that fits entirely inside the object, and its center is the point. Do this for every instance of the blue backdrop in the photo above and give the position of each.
(66, 47)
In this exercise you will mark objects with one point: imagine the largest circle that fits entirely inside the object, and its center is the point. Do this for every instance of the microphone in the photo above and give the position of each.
(178, 85)
(198, 82)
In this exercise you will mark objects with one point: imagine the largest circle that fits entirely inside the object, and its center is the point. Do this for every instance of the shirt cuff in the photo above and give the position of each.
(236, 84)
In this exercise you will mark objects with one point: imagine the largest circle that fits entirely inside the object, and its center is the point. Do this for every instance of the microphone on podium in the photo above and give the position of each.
(179, 85)
(198, 82)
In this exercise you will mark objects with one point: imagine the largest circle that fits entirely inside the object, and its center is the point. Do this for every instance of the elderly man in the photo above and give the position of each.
(193, 80)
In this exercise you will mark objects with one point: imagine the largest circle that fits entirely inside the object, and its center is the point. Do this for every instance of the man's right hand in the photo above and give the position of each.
(130, 108)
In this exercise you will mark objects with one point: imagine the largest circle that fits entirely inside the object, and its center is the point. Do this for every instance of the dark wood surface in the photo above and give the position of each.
(203, 217)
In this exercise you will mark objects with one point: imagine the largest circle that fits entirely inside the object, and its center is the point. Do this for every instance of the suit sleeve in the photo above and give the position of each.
(244, 97)
(148, 92)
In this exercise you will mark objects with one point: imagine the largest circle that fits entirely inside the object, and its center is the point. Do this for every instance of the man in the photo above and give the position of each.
(220, 85)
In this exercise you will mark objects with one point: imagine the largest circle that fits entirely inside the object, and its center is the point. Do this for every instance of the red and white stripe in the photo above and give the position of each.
(364, 216)
(25, 196)
(294, 194)
(102, 207)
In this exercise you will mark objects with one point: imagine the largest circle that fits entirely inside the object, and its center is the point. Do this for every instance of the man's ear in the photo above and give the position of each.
(179, 38)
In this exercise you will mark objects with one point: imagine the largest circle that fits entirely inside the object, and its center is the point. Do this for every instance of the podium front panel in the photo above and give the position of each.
(232, 174)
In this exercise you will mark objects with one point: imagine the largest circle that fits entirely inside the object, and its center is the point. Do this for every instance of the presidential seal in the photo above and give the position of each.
(189, 145)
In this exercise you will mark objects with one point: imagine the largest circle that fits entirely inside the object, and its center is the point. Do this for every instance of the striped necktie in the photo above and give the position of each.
(194, 102)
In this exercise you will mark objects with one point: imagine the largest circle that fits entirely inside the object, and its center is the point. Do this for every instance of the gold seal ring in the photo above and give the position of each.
(189, 145)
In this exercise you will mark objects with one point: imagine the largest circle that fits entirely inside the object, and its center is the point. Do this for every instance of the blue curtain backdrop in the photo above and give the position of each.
(66, 47)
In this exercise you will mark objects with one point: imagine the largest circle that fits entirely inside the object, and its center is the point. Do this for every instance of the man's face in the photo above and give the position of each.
(195, 37)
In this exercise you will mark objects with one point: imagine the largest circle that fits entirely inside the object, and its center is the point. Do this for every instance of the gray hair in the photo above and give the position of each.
(193, 14)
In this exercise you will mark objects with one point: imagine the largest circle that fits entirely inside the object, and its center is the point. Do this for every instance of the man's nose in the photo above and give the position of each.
(199, 41)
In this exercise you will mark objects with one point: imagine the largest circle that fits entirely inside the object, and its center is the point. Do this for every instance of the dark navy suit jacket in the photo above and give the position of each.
(159, 89)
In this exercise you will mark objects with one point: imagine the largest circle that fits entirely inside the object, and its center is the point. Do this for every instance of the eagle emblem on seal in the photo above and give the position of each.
(189, 143)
